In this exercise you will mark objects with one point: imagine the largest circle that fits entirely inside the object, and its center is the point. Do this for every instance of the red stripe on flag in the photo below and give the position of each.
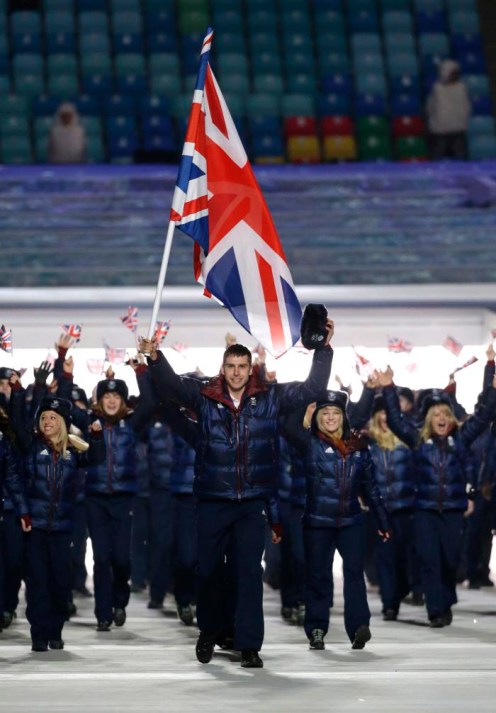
(194, 117)
(214, 104)
(271, 302)
(196, 205)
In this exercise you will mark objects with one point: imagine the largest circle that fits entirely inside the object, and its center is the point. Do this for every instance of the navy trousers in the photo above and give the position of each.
(109, 523)
(241, 525)
(48, 582)
(438, 541)
(13, 560)
(320, 546)
(161, 539)
(479, 540)
(80, 535)
(185, 549)
(140, 542)
(392, 560)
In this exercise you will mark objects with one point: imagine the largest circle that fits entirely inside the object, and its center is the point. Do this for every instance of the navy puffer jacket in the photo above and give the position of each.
(117, 472)
(394, 476)
(183, 470)
(10, 478)
(444, 467)
(335, 480)
(237, 452)
(160, 454)
(52, 482)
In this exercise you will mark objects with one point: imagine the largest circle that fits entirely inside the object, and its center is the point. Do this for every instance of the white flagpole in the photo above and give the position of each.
(161, 278)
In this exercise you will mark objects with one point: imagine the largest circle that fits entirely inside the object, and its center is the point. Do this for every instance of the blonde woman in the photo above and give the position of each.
(338, 469)
(444, 473)
(52, 459)
(395, 480)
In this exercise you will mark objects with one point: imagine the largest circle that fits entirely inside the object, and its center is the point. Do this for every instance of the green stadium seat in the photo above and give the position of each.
(375, 148)
(95, 152)
(193, 21)
(16, 150)
(268, 83)
(409, 148)
(64, 85)
(263, 104)
(93, 21)
(169, 85)
(90, 42)
(297, 105)
(59, 21)
(65, 63)
(234, 81)
(301, 83)
(14, 125)
(126, 21)
(14, 104)
(163, 62)
(129, 63)
(30, 84)
(96, 62)
(372, 126)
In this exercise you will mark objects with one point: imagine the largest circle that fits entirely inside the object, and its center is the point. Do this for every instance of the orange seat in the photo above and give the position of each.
(340, 148)
(303, 149)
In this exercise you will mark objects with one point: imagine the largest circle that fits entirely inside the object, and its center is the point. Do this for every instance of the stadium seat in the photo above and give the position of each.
(481, 125)
(297, 105)
(410, 148)
(405, 104)
(16, 150)
(482, 147)
(339, 148)
(300, 126)
(408, 126)
(464, 21)
(263, 105)
(372, 126)
(333, 104)
(375, 148)
(397, 21)
(267, 148)
(336, 126)
(303, 149)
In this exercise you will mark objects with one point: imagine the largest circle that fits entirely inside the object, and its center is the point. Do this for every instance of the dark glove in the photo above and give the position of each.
(42, 373)
(313, 329)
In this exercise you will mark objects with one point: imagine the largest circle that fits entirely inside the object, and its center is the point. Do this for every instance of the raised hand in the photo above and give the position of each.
(42, 372)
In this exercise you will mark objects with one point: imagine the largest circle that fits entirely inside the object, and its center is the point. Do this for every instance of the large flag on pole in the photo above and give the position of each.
(217, 202)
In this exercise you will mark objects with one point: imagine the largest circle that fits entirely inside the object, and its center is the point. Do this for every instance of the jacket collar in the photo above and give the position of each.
(216, 389)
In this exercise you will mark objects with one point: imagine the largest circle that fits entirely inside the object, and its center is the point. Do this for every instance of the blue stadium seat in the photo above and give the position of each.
(477, 83)
(87, 104)
(160, 41)
(45, 105)
(26, 42)
(131, 22)
(60, 42)
(405, 83)
(370, 105)
(93, 21)
(153, 104)
(405, 104)
(365, 41)
(397, 21)
(21, 22)
(333, 104)
(363, 21)
(99, 83)
(367, 62)
(399, 42)
(464, 21)
(482, 148)
(471, 62)
(333, 63)
(59, 21)
(431, 22)
(337, 84)
(371, 83)
(466, 42)
(402, 63)
(434, 43)
(120, 124)
(119, 105)
(481, 104)
(128, 42)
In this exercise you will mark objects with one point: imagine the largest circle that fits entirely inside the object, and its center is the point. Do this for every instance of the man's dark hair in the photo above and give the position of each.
(237, 350)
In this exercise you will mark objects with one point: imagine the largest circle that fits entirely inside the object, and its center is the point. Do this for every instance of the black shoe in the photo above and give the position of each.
(251, 659)
(137, 588)
(317, 639)
(155, 604)
(362, 635)
(486, 582)
(300, 615)
(83, 592)
(448, 617)
(56, 644)
(389, 615)
(71, 610)
(8, 618)
(474, 584)
(119, 617)
(205, 648)
(286, 613)
(186, 615)
(225, 642)
(39, 646)
(437, 622)
(103, 625)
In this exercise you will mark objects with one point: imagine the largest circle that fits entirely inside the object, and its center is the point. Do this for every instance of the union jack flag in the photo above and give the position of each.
(397, 345)
(471, 361)
(130, 320)
(363, 367)
(161, 330)
(218, 203)
(73, 330)
(180, 347)
(493, 333)
(95, 366)
(5, 339)
(114, 356)
(452, 345)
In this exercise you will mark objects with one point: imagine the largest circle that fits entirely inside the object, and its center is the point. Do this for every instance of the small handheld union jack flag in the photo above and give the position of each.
(162, 330)
(114, 356)
(180, 347)
(471, 361)
(397, 345)
(452, 345)
(73, 330)
(95, 366)
(5, 339)
(130, 320)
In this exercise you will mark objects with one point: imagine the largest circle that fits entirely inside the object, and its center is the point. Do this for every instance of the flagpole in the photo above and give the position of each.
(161, 278)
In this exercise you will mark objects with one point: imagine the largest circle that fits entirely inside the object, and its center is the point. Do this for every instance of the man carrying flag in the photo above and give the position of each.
(236, 480)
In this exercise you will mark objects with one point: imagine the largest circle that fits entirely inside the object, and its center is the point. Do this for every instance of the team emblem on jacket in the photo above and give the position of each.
(329, 449)
(44, 452)
(253, 401)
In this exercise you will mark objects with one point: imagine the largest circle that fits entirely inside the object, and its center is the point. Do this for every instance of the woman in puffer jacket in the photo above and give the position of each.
(339, 470)
(52, 459)
(445, 475)
(395, 480)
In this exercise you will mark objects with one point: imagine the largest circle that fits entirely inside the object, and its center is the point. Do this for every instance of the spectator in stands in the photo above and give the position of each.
(448, 111)
(67, 139)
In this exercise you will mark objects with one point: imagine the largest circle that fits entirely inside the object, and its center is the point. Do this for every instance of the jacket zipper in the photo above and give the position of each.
(110, 463)
(238, 455)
